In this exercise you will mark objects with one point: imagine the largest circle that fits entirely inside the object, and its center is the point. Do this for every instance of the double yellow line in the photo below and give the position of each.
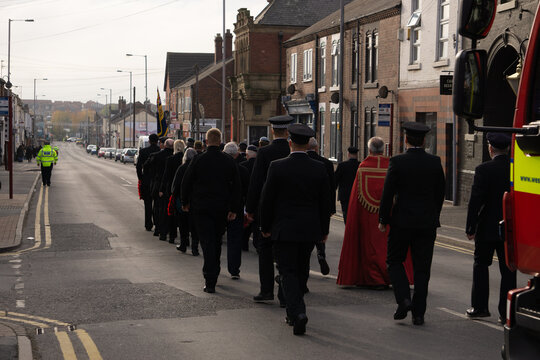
(66, 346)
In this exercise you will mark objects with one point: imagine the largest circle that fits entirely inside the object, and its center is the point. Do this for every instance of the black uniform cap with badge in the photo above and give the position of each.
(300, 133)
(252, 148)
(352, 150)
(281, 121)
(415, 132)
(499, 140)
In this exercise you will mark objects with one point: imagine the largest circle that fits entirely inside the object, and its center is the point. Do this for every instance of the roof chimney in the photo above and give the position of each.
(218, 40)
(228, 44)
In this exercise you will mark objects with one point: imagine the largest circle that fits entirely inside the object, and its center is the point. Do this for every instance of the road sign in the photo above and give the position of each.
(4, 106)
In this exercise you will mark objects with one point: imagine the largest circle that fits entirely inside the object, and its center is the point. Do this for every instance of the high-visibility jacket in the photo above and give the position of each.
(56, 149)
(46, 156)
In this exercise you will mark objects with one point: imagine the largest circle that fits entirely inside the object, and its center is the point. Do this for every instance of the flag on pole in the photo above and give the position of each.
(162, 128)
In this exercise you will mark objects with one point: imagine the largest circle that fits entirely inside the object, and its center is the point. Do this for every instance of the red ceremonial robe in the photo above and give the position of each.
(363, 255)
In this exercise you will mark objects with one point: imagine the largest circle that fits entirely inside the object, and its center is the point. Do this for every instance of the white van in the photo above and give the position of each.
(144, 141)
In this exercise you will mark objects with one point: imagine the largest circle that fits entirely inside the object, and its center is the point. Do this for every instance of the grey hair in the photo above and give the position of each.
(376, 145)
(169, 143)
(231, 148)
(179, 146)
(189, 154)
(312, 144)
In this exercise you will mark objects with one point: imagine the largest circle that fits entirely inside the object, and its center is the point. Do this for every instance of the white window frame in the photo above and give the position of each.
(323, 65)
(293, 67)
(442, 39)
(335, 63)
(308, 65)
(375, 55)
(414, 26)
(322, 121)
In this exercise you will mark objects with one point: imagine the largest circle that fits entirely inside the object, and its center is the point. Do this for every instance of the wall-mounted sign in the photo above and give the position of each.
(4, 106)
(446, 84)
(385, 114)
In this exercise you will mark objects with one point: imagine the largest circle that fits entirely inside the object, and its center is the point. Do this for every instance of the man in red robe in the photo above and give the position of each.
(363, 255)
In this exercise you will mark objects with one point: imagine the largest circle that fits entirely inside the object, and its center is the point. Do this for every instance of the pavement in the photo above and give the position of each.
(14, 343)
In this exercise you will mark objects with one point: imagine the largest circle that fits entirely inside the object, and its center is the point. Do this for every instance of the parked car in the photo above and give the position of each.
(129, 155)
(89, 148)
(109, 153)
(94, 151)
(144, 141)
(118, 154)
(101, 152)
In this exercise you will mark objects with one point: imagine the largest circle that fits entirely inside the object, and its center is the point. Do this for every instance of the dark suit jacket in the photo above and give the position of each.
(491, 180)
(144, 154)
(178, 177)
(212, 183)
(278, 149)
(295, 202)
(248, 164)
(415, 181)
(345, 175)
(155, 166)
(171, 165)
(330, 172)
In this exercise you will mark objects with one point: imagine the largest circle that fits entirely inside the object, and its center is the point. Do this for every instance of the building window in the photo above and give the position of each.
(308, 65)
(322, 77)
(257, 109)
(354, 58)
(354, 128)
(414, 29)
(444, 25)
(321, 121)
(335, 63)
(369, 128)
(333, 133)
(372, 56)
(293, 69)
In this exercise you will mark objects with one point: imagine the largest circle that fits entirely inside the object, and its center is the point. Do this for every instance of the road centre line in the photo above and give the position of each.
(29, 322)
(482, 322)
(40, 318)
(65, 345)
(89, 345)
(455, 248)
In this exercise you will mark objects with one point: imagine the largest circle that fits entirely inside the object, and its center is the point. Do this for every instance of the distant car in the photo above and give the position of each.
(89, 148)
(109, 153)
(101, 152)
(129, 155)
(118, 154)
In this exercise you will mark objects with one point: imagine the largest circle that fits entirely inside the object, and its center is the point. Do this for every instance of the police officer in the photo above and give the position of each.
(266, 154)
(345, 175)
(295, 214)
(46, 158)
(411, 203)
(145, 180)
(491, 180)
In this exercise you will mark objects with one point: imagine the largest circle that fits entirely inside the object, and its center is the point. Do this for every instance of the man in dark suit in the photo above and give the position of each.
(295, 214)
(155, 166)
(411, 203)
(251, 155)
(211, 193)
(313, 145)
(345, 174)
(277, 150)
(491, 181)
(145, 180)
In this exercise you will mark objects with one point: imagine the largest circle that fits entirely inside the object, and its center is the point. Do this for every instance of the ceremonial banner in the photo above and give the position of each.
(162, 128)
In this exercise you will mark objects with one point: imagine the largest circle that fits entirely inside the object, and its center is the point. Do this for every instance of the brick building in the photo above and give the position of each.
(370, 69)
(259, 79)
(199, 96)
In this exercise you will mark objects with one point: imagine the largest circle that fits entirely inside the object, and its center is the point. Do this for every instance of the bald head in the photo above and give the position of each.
(169, 143)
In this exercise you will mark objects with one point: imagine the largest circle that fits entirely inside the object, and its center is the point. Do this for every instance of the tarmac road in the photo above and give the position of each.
(114, 291)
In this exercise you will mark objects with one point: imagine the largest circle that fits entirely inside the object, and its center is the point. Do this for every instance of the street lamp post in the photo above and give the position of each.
(110, 117)
(106, 101)
(130, 101)
(145, 88)
(10, 117)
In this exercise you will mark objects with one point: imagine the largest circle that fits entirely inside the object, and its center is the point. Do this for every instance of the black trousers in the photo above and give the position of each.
(266, 262)
(183, 223)
(421, 242)
(210, 227)
(483, 257)
(46, 172)
(292, 259)
(160, 215)
(234, 245)
(148, 223)
(344, 208)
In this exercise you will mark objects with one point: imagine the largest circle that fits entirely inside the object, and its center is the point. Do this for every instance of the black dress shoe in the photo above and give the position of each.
(475, 313)
(163, 238)
(181, 248)
(209, 289)
(402, 310)
(171, 240)
(263, 297)
(149, 228)
(325, 269)
(418, 320)
(289, 321)
(299, 327)
(195, 252)
(156, 233)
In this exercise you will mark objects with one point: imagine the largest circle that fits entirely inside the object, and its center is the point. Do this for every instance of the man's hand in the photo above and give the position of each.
(160, 194)
(382, 227)
(250, 217)
(185, 208)
(325, 237)
(470, 236)
(231, 216)
(266, 235)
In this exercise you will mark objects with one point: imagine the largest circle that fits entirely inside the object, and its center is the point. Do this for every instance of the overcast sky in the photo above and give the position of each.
(79, 45)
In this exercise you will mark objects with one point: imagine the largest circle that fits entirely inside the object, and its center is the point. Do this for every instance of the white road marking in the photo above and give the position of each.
(15, 261)
(20, 303)
(15, 266)
(129, 182)
(19, 286)
(463, 316)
